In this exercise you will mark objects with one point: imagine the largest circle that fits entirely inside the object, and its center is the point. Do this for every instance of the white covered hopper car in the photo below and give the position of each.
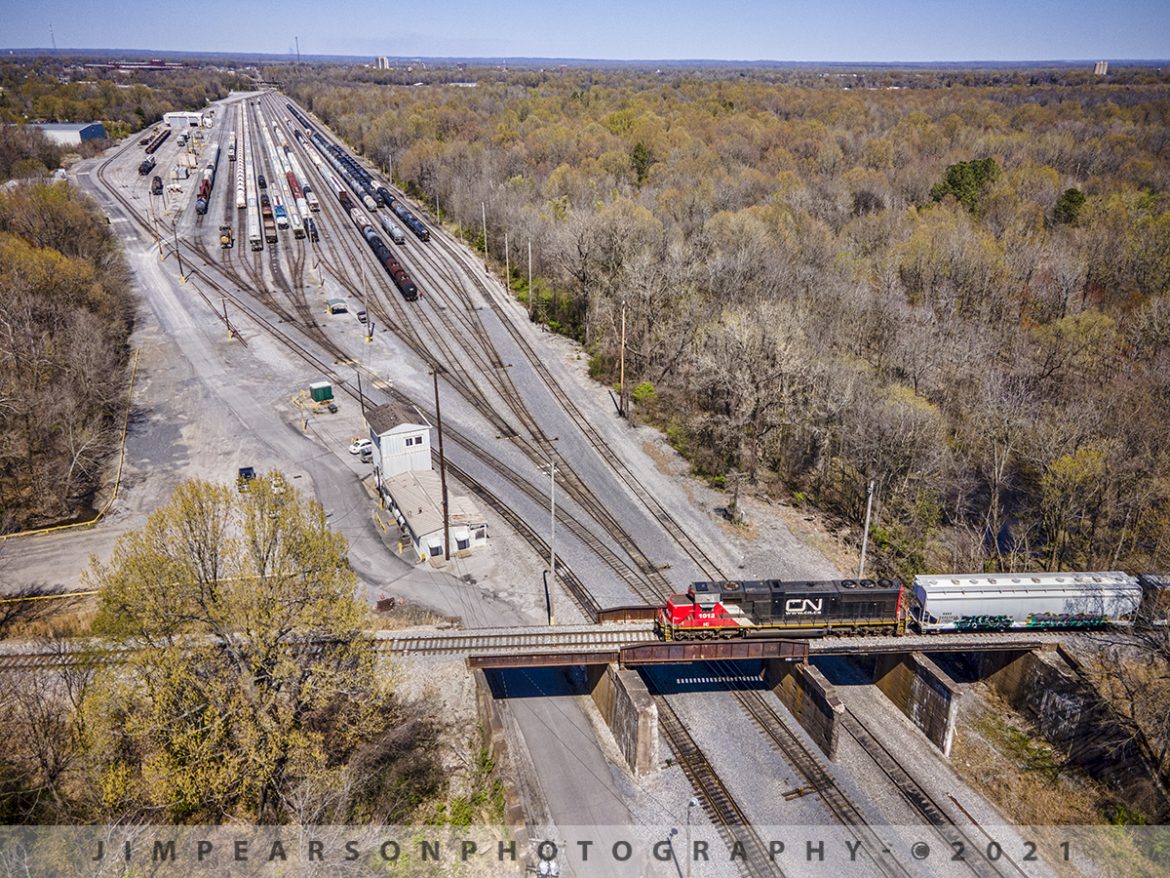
(1029, 601)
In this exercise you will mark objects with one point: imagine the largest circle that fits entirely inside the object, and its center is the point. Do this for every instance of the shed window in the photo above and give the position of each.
(463, 543)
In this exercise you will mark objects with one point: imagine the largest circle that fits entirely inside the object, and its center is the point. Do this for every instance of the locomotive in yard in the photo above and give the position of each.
(933, 604)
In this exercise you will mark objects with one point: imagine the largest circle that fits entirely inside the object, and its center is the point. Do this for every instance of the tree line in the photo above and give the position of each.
(66, 312)
(63, 90)
(234, 681)
(956, 289)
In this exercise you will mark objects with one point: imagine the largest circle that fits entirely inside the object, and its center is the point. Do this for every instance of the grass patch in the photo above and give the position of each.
(408, 615)
(1027, 779)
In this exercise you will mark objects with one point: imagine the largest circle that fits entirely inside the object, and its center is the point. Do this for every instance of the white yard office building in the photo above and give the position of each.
(182, 119)
(411, 489)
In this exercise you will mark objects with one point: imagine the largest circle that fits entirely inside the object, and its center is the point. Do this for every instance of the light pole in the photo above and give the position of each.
(483, 210)
(622, 380)
(552, 528)
(690, 805)
(531, 296)
(178, 253)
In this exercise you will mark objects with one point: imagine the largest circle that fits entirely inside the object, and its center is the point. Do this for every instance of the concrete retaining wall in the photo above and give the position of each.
(923, 691)
(1045, 687)
(630, 712)
(496, 743)
(810, 698)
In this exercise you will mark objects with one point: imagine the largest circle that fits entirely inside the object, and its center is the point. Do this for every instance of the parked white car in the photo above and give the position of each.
(359, 445)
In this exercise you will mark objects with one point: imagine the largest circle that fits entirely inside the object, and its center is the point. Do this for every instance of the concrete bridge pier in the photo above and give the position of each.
(630, 712)
(923, 691)
(810, 698)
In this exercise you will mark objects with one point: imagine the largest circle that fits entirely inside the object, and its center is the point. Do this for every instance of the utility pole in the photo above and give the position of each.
(483, 210)
(622, 369)
(361, 396)
(507, 262)
(442, 469)
(865, 533)
(531, 293)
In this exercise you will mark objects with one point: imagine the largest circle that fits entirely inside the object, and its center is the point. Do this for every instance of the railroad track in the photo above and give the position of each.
(713, 795)
(576, 588)
(702, 559)
(815, 776)
(950, 830)
(645, 579)
(648, 582)
(418, 644)
(406, 327)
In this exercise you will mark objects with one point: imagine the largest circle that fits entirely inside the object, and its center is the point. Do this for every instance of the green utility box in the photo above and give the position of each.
(322, 391)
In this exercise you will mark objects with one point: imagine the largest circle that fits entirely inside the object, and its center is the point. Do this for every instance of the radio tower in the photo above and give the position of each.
(52, 38)
(298, 41)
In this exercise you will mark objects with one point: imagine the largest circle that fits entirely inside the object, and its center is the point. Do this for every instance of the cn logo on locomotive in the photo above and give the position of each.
(803, 606)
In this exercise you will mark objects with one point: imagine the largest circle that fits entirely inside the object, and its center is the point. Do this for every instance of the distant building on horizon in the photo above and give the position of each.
(382, 62)
(1101, 68)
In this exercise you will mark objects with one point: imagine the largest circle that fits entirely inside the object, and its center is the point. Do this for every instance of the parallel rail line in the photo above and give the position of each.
(815, 776)
(716, 799)
(926, 805)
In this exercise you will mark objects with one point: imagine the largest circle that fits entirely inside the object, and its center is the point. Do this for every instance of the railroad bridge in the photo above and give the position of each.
(904, 669)
(1019, 664)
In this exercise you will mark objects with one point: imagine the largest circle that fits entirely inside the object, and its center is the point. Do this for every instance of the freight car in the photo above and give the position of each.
(396, 234)
(1007, 601)
(207, 181)
(267, 219)
(157, 141)
(403, 213)
(280, 213)
(382, 253)
(934, 604)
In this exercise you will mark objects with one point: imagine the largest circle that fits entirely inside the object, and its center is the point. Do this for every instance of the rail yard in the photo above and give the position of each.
(239, 331)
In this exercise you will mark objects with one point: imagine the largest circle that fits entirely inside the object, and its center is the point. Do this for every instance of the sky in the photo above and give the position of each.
(781, 30)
